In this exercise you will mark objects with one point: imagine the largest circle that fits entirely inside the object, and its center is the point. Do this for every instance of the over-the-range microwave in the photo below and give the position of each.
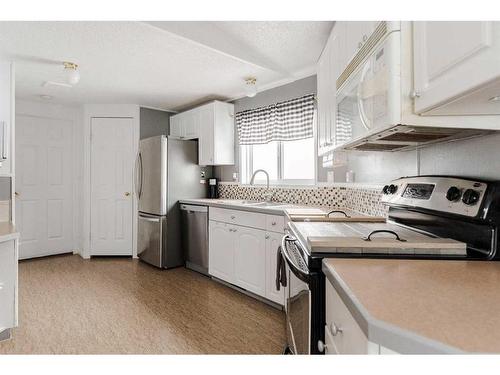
(374, 108)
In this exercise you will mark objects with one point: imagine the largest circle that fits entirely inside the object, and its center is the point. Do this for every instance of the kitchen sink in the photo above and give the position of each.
(263, 204)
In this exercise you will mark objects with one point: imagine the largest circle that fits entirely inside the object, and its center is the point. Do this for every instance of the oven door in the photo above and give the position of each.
(297, 297)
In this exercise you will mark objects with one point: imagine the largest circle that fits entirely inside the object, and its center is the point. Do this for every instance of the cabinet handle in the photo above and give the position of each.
(267, 236)
(235, 230)
(415, 94)
(334, 329)
(233, 217)
(273, 223)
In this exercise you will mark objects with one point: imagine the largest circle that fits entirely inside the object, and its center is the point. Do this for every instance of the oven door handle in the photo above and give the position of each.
(304, 276)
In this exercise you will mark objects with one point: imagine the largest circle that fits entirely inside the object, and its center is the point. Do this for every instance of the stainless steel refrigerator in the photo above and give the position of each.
(167, 170)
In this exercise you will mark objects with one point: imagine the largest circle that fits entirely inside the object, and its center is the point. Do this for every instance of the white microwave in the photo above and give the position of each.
(374, 109)
(370, 97)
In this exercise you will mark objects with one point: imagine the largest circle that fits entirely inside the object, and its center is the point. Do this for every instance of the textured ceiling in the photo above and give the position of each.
(167, 65)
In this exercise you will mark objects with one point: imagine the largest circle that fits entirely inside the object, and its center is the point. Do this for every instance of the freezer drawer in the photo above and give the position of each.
(150, 245)
(195, 237)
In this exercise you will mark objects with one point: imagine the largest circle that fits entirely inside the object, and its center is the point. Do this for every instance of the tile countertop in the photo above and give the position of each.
(7, 232)
(422, 306)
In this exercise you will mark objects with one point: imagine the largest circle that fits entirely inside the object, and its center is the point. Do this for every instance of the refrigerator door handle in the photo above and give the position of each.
(149, 218)
(138, 176)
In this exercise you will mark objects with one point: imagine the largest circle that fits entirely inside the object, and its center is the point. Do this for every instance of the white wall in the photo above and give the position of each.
(477, 157)
(73, 115)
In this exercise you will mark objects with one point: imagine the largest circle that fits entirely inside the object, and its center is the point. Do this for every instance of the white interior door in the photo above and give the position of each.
(44, 185)
(112, 164)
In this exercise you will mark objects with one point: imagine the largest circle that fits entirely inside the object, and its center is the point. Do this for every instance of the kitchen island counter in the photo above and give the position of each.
(422, 306)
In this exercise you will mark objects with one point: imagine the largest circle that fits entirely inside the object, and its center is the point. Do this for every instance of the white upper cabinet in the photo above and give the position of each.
(456, 67)
(185, 125)
(6, 117)
(213, 125)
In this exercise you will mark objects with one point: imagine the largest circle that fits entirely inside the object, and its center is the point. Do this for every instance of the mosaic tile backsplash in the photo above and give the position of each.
(362, 199)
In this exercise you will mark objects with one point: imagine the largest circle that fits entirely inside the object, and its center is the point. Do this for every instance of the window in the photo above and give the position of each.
(279, 138)
(287, 162)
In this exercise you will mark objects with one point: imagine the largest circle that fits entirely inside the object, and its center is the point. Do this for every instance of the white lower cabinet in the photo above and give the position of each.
(221, 253)
(343, 335)
(250, 259)
(8, 281)
(273, 242)
(245, 256)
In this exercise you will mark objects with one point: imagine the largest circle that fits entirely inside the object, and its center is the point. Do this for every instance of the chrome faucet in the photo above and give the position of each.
(268, 195)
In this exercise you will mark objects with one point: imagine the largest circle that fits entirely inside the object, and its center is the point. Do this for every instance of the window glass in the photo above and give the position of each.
(298, 159)
(266, 157)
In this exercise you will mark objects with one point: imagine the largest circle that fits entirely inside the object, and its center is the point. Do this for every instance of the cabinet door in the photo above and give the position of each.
(250, 259)
(223, 137)
(206, 140)
(321, 104)
(6, 99)
(273, 241)
(8, 272)
(452, 59)
(221, 251)
(176, 129)
(191, 124)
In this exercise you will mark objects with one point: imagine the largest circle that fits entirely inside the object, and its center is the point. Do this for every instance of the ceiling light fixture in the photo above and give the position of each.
(251, 87)
(72, 73)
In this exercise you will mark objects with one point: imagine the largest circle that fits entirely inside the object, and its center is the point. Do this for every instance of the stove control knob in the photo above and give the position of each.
(392, 189)
(385, 190)
(453, 194)
(470, 197)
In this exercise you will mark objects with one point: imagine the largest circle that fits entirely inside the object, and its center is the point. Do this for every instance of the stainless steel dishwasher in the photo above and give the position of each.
(195, 237)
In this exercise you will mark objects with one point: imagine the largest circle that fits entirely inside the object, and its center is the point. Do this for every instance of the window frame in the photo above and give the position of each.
(247, 170)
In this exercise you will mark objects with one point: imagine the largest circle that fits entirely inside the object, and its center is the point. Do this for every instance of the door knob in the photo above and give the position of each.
(321, 346)
(127, 193)
(17, 194)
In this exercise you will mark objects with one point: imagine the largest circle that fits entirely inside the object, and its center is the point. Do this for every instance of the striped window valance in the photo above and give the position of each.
(286, 121)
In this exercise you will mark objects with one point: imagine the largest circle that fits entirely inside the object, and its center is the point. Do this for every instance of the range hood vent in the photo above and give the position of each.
(407, 137)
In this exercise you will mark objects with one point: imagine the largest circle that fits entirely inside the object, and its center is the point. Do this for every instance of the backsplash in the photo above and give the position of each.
(362, 199)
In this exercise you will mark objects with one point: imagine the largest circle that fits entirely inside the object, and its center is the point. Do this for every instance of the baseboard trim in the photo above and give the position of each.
(250, 294)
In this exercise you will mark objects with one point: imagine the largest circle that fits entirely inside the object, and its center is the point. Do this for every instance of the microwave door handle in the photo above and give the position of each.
(361, 108)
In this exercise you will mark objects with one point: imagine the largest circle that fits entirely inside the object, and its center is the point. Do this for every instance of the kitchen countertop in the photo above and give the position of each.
(422, 306)
(7, 232)
(278, 209)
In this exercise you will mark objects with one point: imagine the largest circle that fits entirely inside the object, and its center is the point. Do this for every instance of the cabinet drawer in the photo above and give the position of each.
(244, 218)
(275, 223)
(351, 339)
